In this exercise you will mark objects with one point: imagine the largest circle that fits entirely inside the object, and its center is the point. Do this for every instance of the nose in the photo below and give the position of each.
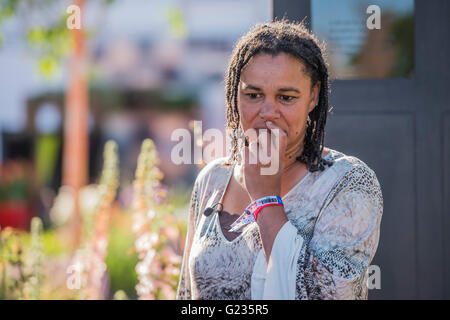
(269, 111)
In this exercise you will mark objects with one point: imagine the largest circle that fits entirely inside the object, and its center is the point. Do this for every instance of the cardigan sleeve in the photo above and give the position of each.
(184, 284)
(334, 263)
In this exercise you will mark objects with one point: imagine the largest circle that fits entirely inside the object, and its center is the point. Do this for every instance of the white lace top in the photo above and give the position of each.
(322, 252)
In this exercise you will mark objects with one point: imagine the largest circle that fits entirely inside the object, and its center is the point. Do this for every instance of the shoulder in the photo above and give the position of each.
(210, 178)
(355, 177)
(213, 170)
(349, 166)
(354, 206)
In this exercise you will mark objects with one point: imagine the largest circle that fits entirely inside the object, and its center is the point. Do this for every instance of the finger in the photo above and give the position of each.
(265, 146)
(252, 152)
(280, 135)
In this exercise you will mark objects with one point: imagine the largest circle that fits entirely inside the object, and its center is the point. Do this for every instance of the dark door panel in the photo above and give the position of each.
(400, 127)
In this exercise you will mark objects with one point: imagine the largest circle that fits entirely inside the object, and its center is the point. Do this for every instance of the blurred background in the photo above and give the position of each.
(151, 67)
(76, 221)
(141, 70)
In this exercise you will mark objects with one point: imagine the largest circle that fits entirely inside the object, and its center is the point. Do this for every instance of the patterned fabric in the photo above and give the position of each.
(337, 212)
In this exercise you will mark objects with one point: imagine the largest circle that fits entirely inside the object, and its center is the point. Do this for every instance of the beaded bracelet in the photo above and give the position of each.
(251, 212)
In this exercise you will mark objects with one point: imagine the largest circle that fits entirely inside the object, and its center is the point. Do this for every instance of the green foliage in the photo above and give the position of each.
(14, 181)
(21, 262)
(120, 295)
(46, 151)
(11, 257)
(403, 32)
(7, 10)
(33, 265)
(33, 284)
(121, 259)
(16, 190)
(157, 230)
(52, 244)
(177, 22)
(110, 173)
(51, 43)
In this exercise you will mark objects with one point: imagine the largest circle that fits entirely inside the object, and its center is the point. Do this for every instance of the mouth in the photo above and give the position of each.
(258, 129)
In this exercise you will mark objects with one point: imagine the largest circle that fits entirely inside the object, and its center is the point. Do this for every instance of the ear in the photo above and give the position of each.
(314, 97)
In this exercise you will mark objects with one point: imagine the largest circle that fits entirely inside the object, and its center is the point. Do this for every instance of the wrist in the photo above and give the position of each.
(260, 209)
(261, 203)
(258, 195)
(270, 216)
(252, 211)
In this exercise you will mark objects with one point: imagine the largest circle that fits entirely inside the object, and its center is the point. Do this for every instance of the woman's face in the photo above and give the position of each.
(276, 89)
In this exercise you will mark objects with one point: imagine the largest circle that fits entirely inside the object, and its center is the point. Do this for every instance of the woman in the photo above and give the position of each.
(317, 243)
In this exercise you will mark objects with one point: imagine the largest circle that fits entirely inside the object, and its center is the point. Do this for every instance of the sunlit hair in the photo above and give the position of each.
(273, 38)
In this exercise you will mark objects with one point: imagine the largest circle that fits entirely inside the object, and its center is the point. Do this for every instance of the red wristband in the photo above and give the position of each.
(256, 213)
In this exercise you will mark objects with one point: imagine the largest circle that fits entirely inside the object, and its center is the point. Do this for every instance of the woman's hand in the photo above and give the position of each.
(263, 162)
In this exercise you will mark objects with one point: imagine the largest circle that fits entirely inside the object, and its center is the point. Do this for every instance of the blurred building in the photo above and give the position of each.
(153, 65)
(179, 48)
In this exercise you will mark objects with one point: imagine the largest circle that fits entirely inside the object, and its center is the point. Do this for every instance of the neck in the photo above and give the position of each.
(292, 152)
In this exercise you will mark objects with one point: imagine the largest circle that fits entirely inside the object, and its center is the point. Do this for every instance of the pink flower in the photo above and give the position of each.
(170, 255)
(142, 269)
(170, 232)
(146, 241)
(138, 222)
(150, 214)
(172, 271)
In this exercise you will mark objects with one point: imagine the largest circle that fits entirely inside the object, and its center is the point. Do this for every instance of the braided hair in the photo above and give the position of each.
(273, 38)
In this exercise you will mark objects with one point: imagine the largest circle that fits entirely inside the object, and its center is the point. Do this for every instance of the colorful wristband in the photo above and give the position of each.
(255, 214)
(251, 212)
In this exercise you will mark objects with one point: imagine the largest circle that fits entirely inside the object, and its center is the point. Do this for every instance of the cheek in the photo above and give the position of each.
(297, 128)
(248, 113)
(296, 121)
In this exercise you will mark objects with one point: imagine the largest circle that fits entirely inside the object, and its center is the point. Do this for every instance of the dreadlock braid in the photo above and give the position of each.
(274, 38)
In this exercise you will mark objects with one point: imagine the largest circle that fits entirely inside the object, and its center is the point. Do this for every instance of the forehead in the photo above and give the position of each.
(280, 70)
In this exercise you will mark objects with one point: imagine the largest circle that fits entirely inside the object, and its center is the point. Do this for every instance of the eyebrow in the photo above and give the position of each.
(286, 89)
(289, 89)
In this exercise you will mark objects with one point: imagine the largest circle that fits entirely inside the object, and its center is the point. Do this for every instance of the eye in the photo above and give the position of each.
(285, 98)
(253, 96)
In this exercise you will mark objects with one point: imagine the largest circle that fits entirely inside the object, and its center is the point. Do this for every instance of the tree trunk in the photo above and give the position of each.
(75, 165)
